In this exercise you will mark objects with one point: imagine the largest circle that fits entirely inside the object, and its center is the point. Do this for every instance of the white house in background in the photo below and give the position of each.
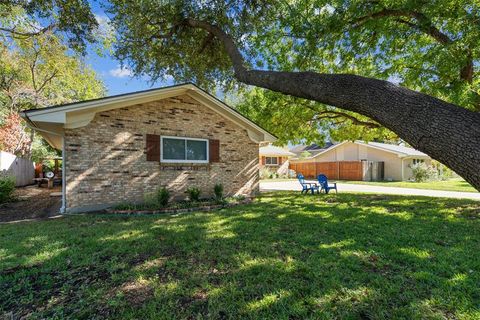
(274, 158)
(397, 159)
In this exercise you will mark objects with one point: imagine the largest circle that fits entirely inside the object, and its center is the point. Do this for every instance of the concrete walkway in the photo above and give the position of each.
(343, 187)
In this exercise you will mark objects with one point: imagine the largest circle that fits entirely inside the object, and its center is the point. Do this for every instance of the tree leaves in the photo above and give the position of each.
(425, 46)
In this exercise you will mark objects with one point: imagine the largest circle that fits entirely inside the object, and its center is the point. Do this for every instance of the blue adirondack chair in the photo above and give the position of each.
(307, 186)
(323, 181)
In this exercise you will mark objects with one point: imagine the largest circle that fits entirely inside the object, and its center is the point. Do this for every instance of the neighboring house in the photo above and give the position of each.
(275, 158)
(312, 149)
(397, 159)
(117, 149)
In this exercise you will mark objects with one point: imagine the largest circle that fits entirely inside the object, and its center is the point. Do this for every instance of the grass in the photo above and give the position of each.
(285, 256)
(448, 185)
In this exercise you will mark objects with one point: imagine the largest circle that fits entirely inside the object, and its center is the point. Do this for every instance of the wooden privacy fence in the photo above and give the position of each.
(341, 170)
(22, 169)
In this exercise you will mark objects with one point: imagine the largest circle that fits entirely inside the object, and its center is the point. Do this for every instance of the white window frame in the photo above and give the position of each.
(271, 164)
(183, 161)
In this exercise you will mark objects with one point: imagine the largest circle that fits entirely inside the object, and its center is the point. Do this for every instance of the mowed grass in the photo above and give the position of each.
(285, 256)
(447, 185)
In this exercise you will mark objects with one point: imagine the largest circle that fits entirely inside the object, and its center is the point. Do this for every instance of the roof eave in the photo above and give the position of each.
(81, 113)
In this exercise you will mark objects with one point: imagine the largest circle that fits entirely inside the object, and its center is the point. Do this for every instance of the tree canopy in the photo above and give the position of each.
(298, 120)
(37, 69)
(73, 19)
(336, 53)
(427, 46)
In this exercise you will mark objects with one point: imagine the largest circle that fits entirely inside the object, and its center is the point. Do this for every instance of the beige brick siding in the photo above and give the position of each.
(106, 160)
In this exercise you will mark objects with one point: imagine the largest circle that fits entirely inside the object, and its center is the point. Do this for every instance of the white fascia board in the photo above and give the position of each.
(81, 113)
(116, 102)
(399, 154)
(57, 117)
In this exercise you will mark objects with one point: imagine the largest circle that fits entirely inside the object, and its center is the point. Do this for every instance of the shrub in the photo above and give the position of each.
(218, 190)
(240, 197)
(7, 186)
(443, 172)
(265, 173)
(149, 199)
(163, 195)
(193, 193)
(292, 174)
(421, 172)
(156, 199)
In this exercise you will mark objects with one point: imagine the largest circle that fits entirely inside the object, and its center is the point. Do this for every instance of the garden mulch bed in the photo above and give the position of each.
(202, 208)
(31, 202)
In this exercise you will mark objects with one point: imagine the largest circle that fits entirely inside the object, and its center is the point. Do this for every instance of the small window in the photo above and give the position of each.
(184, 150)
(417, 161)
(271, 160)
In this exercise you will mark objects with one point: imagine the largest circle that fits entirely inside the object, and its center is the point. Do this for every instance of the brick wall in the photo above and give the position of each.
(106, 160)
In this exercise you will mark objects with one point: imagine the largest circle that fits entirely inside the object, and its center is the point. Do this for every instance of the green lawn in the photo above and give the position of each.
(285, 256)
(448, 185)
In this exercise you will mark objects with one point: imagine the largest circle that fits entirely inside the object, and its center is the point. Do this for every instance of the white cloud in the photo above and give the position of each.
(327, 9)
(121, 72)
(102, 19)
(105, 28)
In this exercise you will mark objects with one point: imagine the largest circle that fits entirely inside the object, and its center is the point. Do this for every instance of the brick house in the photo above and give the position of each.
(117, 149)
(275, 159)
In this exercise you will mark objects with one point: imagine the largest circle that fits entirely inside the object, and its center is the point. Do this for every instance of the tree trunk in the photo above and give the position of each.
(30, 144)
(446, 132)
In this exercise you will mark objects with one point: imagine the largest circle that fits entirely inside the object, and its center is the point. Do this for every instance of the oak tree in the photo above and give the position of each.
(338, 53)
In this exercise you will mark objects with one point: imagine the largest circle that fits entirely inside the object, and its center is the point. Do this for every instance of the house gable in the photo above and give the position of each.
(52, 122)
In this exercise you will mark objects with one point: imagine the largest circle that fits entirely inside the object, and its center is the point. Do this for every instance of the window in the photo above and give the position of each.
(184, 150)
(417, 161)
(271, 160)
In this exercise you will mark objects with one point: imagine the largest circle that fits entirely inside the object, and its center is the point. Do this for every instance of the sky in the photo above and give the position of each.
(116, 79)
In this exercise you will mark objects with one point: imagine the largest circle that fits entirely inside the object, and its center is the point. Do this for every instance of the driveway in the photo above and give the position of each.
(342, 187)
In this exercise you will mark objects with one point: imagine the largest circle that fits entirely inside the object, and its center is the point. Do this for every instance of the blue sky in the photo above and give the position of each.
(117, 80)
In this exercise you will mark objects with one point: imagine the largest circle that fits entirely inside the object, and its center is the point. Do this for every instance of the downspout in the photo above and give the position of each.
(63, 209)
(403, 175)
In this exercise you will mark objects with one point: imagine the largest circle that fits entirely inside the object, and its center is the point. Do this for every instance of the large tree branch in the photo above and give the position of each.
(27, 34)
(353, 119)
(425, 25)
(228, 43)
(47, 80)
(335, 115)
(422, 22)
(446, 132)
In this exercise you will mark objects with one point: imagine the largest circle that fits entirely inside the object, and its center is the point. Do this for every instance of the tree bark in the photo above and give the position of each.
(444, 131)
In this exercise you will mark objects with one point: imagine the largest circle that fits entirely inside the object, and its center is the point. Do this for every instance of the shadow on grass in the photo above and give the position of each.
(285, 256)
